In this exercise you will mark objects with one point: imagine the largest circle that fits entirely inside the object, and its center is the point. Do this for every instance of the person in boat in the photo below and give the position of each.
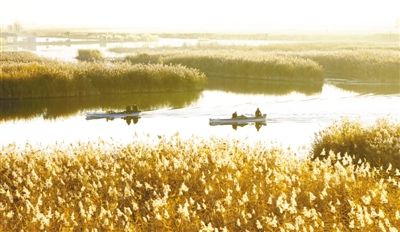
(135, 108)
(258, 113)
(128, 109)
(234, 115)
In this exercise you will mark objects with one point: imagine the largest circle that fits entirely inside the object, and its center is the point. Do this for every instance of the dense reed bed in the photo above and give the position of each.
(89, 55)
(381, 37)
(378, 144)
(191, 185)
(58, 79)
(361, 65)
(20, 57)
(278, 47)
(364, 61)
(237, 66)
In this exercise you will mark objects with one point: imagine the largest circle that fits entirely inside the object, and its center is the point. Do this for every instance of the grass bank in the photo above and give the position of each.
(379, 144)
(58, 79)
(190, 186)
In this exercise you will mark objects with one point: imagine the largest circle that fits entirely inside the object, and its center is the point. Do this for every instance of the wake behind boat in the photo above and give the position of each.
(238, 120)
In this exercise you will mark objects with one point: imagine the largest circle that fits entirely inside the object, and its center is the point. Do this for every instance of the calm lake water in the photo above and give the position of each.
(295, 113)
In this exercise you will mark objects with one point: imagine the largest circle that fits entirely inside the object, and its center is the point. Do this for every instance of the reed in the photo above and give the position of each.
(363, 61)
(279, 47)
(58, 79)
(361, 65)
(239, 66)
(379, 144)
(191, 185)
(89, 55)
(20, 57)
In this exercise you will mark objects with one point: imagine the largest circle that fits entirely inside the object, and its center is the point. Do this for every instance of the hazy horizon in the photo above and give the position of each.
(207, 16)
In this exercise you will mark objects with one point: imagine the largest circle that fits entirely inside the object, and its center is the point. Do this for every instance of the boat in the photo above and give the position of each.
(111, 115)
(239, 120)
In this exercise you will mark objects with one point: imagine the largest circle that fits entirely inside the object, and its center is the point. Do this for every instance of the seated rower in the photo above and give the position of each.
(135, 108)
(128, 109)
(234, 115)
(258, 113)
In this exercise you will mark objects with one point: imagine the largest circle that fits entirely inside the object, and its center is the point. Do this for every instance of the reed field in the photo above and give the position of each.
(239, 66)
(364, 61)
(89, 55)
(59, 79)
(379, 144)
(304, 38)
(361, 65)
(19, 57)
(56, 108)
(191, 185)
(189, 116)
(273, 47)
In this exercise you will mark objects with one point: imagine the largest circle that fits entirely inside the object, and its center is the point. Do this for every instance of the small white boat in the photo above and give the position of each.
(239, 120)
(96, 115)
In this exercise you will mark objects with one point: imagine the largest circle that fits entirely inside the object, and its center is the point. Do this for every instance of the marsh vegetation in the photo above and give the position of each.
(364, 61)
(104, 127)
(190, 185)
(47, 78)
(379, 144)
(239, 66)
(200, 184)
(89, 55)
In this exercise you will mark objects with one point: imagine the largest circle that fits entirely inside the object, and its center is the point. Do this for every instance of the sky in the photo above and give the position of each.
(208, 15)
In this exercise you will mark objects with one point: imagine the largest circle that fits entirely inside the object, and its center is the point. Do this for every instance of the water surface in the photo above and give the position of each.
(295, 114)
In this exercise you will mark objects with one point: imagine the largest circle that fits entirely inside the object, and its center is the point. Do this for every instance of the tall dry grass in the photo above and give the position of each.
(379, 144)
(361, 65)
(58, 79)
(191, 185)
(20, 57)
(89, 55)
(363, 61)
(241, 65)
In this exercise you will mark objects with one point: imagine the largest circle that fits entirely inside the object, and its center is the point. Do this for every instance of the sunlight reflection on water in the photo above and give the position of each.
(292, 119)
